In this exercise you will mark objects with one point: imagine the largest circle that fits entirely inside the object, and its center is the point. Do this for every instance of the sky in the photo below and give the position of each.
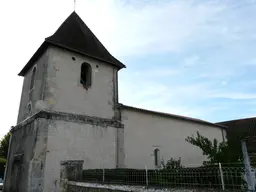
(193, 58)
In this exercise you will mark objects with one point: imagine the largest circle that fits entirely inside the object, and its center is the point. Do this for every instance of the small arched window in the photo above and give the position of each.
(32, 81)
(86, 75)
(156, 157)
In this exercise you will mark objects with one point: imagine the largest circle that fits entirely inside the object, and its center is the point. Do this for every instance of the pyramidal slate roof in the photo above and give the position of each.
(74, 35)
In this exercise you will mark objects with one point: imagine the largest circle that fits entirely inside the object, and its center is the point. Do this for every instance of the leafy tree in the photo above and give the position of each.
(4, 145)
(2, 160)
(172, 164)
(224, 152)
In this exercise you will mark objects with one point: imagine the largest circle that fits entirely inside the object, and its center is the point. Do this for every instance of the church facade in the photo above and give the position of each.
(69, 110)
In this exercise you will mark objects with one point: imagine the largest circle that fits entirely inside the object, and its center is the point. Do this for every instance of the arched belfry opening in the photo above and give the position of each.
(86, 75)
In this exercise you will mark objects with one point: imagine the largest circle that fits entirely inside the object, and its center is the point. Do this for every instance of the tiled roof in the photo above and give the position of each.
(244, 126)
(242, 129)
(74, 35)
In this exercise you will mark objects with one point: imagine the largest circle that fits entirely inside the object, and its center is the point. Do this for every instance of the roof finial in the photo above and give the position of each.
(74, 5)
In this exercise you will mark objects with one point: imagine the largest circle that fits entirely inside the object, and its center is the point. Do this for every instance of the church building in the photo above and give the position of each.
(69, 110)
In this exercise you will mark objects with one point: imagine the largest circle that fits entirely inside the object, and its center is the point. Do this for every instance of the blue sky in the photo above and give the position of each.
(189, 57)
(202, 64)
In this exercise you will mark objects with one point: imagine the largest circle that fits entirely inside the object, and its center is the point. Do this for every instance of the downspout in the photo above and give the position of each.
(117, 117)
(115, 101)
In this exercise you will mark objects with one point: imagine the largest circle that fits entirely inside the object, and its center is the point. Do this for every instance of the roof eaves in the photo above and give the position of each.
(173, 116)
(33, 59)
(236, 120)
(120, 66)
(44, 46)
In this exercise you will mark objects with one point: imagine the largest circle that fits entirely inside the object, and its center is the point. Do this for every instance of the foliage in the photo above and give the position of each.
(4, 145)
(172, 164)
(2, 160)
(224, 152)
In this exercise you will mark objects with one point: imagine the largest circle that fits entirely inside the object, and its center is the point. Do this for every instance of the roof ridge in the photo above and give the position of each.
(83, 25)
(247, 118)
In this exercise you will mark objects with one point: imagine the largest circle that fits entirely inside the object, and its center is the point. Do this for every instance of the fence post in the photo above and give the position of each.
(103, 175)
(248, 169)
(146, 175)
(221, 176)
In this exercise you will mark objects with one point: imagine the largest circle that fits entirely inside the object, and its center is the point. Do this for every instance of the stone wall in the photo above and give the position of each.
(26, 158)
(70, 136)
(90, 187)
(37, 92)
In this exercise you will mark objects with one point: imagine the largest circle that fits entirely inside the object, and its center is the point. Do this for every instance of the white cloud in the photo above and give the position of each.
(154, 72)
(154, 27)
(223, 83)
(180, 98)
(163, 26)
(234, 95)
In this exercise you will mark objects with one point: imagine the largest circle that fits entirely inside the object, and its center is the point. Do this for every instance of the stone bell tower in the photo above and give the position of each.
(68, 110)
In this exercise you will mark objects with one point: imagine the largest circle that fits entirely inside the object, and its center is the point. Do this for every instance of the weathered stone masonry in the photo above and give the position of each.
(26, 157)
(28, 146)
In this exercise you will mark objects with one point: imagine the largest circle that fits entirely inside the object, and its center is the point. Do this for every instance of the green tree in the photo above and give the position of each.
(172, 164)
(4, 145)
(225, 152)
